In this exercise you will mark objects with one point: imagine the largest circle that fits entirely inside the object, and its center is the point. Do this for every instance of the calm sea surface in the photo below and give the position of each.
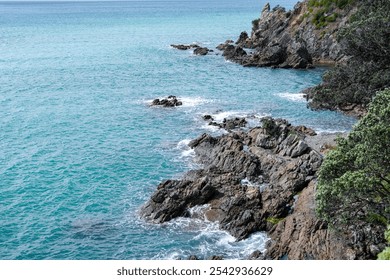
(80, 150)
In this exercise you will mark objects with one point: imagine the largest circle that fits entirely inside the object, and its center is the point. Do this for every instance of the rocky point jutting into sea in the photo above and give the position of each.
(264, 178)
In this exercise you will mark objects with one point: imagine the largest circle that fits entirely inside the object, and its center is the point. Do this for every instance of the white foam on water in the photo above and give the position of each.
(218, 242)
(253, 120)
(193, 101)
(198, 211)
(296, 97)
(329, 131)
(186, 151)
(211, 128)
(210, 240)
(220, 116)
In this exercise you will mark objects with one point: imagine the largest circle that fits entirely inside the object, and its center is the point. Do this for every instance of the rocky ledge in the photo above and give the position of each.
(249, 179)
(262, 179)
(288, 39)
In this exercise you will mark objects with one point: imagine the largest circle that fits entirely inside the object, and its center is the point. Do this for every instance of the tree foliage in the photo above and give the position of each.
(385, 254)
(367, 41)
(354, 180)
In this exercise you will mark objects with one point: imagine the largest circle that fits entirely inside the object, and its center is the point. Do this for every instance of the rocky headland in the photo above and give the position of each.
(261, 179)
(288, 39)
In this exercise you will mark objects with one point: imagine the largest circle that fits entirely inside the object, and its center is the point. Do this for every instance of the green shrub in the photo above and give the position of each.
(323, 11)
(354, 179)
(274, 220)
(385, 254)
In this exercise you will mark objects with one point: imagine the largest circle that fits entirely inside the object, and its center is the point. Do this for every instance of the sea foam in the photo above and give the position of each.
(295, 97)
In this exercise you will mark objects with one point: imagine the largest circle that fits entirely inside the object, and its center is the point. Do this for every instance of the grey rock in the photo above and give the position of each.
(201, 51)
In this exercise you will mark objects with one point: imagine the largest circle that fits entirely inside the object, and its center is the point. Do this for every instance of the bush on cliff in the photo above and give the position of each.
(385, 254)
(367, 41)
(324, 11)
(354, 180)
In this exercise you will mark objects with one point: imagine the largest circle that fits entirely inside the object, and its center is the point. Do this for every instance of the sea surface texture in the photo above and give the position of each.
(80, 149)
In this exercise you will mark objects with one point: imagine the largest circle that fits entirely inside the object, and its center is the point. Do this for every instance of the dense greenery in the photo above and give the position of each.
(354, 180)
(367, 41)
(329, 3)
(385, 255)
(324, 11)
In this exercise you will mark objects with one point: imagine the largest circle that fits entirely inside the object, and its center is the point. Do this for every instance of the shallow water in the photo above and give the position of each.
(81, 150)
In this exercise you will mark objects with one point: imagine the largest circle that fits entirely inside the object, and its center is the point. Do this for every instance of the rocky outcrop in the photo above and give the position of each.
(201, 51)
(229, 124)
(198, 50)
(184, 47)
(234, 53)
(302, 236)
(289, 39)
(248, 179)
(263, 179)
(170, 101)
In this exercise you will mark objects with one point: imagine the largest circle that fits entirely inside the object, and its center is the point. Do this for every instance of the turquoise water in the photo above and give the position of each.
(80, 150)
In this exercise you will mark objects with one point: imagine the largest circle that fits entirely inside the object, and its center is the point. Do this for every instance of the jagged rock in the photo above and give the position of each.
(302, 236)
(208, 118)
(289, 39)
(184, 47)
(201, 51)
(223, 46)
(244, 41)
(215, 258)
(282, 169)
(170, 101)
(256, 255)
(305, 130)
(229, 124)
(234, 53)
(228, 159)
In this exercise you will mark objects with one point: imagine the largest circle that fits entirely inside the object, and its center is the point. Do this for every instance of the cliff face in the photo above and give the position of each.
(291, 39)
(302, 236)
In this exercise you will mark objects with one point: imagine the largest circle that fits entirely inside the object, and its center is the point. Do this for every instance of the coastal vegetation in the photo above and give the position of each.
(354, 179)
(326, 11)
(367, 43)
(385, 255)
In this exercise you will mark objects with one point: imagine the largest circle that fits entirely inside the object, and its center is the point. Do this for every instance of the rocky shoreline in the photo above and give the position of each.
(264, 178)
(284, 39)
(295, 39)
(261, 179)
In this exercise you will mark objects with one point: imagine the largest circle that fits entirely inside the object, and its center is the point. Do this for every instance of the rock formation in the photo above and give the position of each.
(198, 50)
(274, 158)
(288, 39)
(228, 124)
(170, 101)
(262, 179)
